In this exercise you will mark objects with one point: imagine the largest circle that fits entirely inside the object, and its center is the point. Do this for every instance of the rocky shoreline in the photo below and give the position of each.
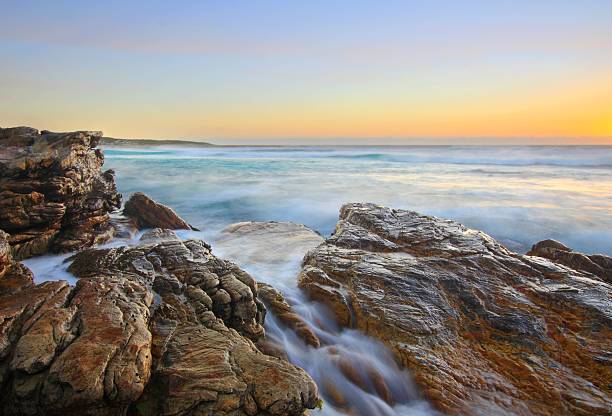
(167, 328)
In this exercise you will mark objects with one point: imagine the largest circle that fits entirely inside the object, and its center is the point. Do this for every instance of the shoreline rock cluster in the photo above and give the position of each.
(483, 330)
(53, 194)
(164, 327)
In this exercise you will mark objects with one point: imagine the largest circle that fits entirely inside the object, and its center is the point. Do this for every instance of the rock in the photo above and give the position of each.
(147, 213)
(596, 264)
(276, 303)
(143, 332)
(53, 194)
(272, 243)
(482, 329)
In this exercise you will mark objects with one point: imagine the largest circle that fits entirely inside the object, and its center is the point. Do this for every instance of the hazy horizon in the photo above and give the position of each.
(277, 72)
(360, 141)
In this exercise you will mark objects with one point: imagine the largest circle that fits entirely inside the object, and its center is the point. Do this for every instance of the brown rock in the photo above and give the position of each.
(276, 303)
(482, 329)
(140, 334)
(596, 264)
(147, 213)
(53, 194)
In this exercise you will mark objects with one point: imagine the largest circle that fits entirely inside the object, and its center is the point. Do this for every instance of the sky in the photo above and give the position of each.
(376, 72)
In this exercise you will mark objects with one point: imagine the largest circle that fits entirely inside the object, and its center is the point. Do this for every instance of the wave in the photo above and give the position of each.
(571, 157)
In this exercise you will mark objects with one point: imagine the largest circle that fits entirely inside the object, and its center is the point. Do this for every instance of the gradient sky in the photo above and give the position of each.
(534, 71)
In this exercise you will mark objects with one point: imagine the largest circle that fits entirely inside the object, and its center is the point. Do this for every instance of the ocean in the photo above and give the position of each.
(517, 194)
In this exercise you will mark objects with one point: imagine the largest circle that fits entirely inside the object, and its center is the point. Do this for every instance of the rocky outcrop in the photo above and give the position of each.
(596, 264)
(162, 328)
(146, 213)
(482, 329)
(53, 194)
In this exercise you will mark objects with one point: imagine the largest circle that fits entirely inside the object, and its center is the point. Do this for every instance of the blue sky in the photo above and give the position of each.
(289, 71)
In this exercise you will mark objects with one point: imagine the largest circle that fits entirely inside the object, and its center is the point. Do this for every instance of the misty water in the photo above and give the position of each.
(519, 195)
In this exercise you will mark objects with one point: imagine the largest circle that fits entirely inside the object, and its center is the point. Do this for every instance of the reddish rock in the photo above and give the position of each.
(596, 264)
(147, 213)
(275, 302)
(482, 329)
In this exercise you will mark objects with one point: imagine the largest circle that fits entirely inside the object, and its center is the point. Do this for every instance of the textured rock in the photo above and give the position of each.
(147, 213)
(53, 195)
(161, 328)
(482, 329)
(596, 264)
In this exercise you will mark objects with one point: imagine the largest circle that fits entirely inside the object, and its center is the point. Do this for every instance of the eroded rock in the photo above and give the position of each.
(53, 194)
(482, 329)
(143, 332)
(146, 213)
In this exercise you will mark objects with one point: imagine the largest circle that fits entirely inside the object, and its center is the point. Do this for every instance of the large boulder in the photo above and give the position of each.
(53, 193)
(162, 328)
(146, 213)
(483, 330)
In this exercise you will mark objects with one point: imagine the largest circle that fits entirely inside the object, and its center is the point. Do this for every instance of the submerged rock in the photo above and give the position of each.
(275, 244)
(482, 329)
(162, 328)
(53, 194)
(275, 302)
(146, 213)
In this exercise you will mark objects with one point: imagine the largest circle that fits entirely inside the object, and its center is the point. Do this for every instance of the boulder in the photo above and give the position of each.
(162, 328)
(596, 264)
(482, 329)
(146, 213)
(53, 193)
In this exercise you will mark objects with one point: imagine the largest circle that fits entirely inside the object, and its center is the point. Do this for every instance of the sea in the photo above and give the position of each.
(519, 195)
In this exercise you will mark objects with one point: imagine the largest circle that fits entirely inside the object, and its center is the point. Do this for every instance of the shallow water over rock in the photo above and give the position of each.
(356, 374)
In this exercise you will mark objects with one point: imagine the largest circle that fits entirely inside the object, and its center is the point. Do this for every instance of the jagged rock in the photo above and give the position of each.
(53, 195)
(482, 329)
(596, 264)
(143, 332)
(147, 213)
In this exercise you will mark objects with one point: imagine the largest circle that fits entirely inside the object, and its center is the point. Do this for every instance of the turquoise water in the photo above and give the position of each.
(519, 195)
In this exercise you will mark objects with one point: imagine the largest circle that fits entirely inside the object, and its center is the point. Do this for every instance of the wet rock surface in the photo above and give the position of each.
(482, 329)
(53, 193)
(276, 303)
(146, 213)
(161, 328)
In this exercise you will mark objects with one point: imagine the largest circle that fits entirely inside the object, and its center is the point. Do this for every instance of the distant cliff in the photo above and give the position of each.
(112, 142)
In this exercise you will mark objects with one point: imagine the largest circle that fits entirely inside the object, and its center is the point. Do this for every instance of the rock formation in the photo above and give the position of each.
(275, 301)
(482, 329)
(162, 328)
(147, 213)
(53, 194)
(596, 264)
